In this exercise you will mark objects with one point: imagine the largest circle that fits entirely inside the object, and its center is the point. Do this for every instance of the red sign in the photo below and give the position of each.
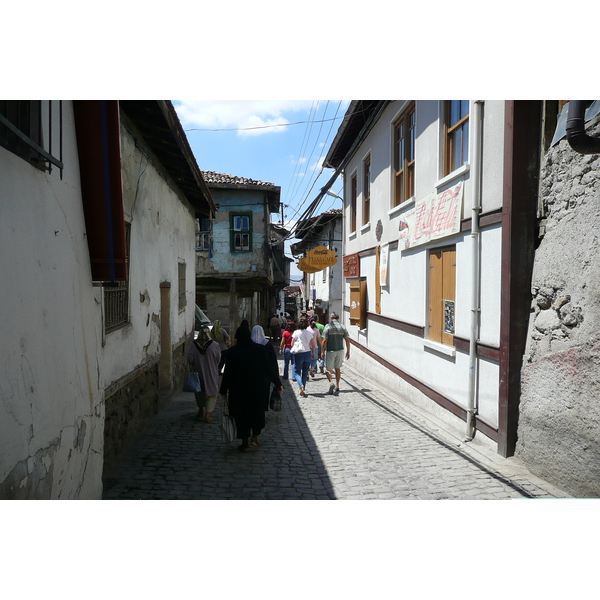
(352, 265)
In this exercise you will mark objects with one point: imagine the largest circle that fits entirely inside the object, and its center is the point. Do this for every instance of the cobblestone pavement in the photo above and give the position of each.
(362, 444)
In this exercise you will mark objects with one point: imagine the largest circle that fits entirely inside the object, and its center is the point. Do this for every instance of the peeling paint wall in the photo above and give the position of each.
(51, 412)
(559, 422)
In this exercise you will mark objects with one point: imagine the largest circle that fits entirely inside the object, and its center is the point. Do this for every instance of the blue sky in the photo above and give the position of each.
(280, 141)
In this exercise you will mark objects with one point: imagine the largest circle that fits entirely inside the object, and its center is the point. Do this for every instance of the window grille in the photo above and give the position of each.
(182, 302)
(28, 128)
(116, 299)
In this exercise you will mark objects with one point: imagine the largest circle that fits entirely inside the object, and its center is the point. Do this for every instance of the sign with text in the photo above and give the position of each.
(352, 265)
(433, 217)
(317, 259)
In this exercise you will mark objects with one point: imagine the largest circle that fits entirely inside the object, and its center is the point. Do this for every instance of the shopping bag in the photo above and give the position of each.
(191, 382)
(275, 400)
(228, 428)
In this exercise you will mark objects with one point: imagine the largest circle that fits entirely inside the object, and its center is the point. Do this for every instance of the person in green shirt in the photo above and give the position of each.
(333, 338)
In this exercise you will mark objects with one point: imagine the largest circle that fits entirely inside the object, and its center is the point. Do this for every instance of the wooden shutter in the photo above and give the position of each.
(358, 303)
(99, 148)
(442, 293)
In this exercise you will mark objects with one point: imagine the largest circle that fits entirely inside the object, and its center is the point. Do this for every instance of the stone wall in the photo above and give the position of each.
(130, 409)
(559, 422)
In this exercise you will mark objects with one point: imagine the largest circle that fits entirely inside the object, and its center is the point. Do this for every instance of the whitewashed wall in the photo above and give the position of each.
(405, 298)
(51, 413)
(162, 235)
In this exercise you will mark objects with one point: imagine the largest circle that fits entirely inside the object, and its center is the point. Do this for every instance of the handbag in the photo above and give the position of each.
(275, 400)
(191, 382)
(297, 346)
(228, 428)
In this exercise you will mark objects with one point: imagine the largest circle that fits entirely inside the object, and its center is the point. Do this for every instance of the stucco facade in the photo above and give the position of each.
(235, 274)
(395, 343)
(51, 411)
(61, 366)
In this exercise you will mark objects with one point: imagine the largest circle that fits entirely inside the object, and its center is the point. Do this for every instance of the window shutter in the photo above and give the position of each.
(99, 148)
(358, 303)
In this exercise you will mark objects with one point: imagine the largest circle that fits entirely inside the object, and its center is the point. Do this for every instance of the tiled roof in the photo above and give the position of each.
(222, 178)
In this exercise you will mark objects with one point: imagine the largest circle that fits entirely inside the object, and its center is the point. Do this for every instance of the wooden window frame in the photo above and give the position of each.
(451, 132)
(404, 156)
(442, 291)
(237, 234)
(203, 234)
(353, 200)
(366, 204)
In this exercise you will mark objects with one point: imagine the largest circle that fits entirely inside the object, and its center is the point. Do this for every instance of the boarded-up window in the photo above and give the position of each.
(442, 292)
(358, 303)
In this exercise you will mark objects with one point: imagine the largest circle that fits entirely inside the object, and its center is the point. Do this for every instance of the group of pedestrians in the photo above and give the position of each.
(241, 370)
(245, 368)
(308, 344)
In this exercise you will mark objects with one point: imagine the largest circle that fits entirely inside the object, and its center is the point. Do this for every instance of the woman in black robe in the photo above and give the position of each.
(246, 369)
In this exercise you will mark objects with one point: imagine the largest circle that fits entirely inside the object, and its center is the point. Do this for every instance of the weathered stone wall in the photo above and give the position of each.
(129, 410)
(559, 423)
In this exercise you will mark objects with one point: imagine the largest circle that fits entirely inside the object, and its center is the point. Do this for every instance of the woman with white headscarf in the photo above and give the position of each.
(258, 337)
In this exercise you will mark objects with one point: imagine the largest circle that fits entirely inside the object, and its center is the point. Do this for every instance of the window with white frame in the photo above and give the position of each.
(456, 134)
(366, 190)
(404, 156)
(203, 234)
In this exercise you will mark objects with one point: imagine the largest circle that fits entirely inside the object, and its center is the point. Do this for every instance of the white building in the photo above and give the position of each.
(323, 289)
(97, 209)
(437, 198)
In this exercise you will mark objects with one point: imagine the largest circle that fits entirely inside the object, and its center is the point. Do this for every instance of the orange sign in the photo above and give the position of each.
(317, 259)
(304, 266)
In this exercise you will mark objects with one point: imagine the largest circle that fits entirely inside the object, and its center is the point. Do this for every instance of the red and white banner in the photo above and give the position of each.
(433, 217)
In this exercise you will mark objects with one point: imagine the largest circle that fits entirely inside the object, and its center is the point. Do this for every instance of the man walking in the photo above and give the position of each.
(333, 339)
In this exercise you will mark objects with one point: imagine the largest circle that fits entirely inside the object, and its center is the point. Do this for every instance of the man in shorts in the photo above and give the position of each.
(333, 338)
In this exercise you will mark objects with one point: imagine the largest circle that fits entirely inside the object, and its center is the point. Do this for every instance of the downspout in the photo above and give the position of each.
(576, 136)
(476, 162)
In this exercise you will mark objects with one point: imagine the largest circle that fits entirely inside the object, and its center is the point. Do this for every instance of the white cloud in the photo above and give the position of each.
(255, 116)
(318, 165)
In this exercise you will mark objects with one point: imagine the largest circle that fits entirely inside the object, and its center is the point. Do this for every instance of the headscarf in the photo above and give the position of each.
(242, 334)
(258, 335)
(203, 340)
(217, 331)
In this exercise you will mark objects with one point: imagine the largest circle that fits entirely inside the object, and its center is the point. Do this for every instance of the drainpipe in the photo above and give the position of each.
(576, 136)
(476, 162)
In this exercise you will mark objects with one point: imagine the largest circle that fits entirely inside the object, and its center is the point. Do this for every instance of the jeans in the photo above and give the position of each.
(302, 366)
(287, 358)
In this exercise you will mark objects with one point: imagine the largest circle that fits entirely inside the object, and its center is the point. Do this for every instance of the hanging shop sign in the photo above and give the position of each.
(321, 257)
(433, 217)
(351, 265)
(317, 259)
(305, 267)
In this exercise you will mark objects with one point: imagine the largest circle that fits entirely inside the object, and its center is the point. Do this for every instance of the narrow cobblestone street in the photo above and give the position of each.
(361, 444)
